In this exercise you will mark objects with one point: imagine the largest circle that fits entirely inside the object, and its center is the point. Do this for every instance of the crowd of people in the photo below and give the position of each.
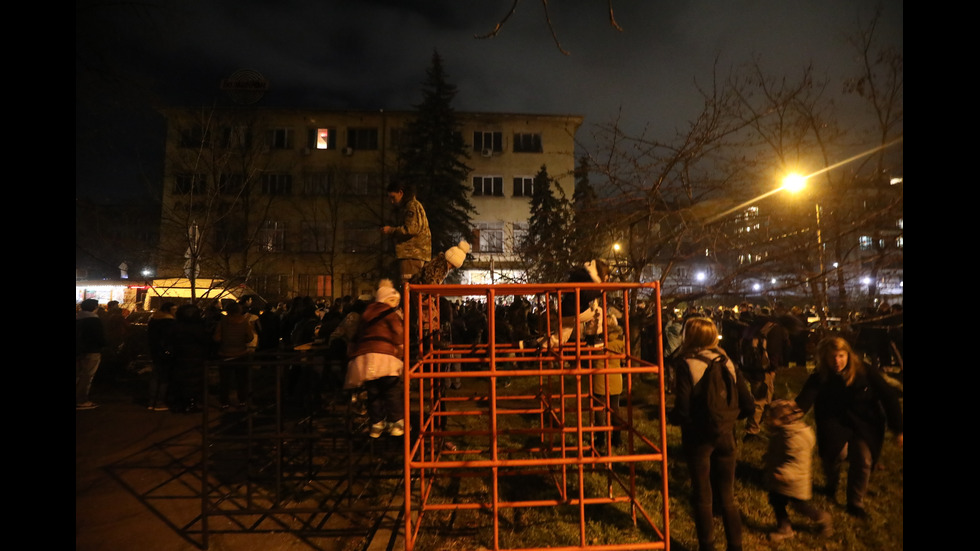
(853, 404)
(358, 342)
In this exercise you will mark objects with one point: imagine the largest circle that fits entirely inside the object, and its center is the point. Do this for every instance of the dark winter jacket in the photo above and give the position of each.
(861, 409)
(693, 422)
(380, 331)
(89, 333)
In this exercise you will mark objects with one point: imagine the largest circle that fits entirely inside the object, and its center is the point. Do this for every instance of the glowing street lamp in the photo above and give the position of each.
(794, 183)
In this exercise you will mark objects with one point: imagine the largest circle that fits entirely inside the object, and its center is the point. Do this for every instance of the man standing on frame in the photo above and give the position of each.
(413, 241)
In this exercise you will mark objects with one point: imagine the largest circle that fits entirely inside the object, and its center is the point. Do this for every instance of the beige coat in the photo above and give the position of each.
(616, 345)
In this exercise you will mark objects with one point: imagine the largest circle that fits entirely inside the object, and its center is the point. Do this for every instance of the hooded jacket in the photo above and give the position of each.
(412, 237)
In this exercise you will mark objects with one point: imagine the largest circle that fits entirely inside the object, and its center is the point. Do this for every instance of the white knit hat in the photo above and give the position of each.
(387, 293)
(457, 255)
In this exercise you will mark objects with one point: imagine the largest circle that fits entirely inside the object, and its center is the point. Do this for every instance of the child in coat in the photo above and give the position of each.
(789, 462)
(376, 353)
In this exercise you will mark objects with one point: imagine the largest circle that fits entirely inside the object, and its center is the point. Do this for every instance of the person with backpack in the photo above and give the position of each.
(711, 395)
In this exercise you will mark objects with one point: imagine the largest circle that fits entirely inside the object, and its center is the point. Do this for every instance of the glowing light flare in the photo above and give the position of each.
(794, 182)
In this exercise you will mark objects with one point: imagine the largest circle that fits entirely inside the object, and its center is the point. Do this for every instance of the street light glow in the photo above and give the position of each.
(794, 182)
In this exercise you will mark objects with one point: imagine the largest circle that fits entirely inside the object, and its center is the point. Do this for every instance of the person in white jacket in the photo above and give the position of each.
(789, 471)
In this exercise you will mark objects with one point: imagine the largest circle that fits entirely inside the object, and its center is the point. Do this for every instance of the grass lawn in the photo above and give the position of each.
(556, 526)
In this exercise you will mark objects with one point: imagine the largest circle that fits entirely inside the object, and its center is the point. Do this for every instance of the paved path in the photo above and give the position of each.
(138, 487)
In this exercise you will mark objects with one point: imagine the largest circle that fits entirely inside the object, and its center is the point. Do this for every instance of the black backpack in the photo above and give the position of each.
(717, 395)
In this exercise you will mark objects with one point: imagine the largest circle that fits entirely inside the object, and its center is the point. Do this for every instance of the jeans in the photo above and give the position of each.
(712, 467)
(385, 399)
(85, 367)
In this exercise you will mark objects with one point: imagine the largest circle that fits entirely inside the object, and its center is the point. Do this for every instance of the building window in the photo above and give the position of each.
(185, 184)
(315, 238)
(281, 138)
(488, 185)
(315, 285)
(230, 184)
(490, 237)
(229, 234)
(900, 241)
(361, 237)
(363, 183)
(527, 143)
(523, 186)
(866, 242)
(272, 237)
(321, 138)
(277, 184)
(489, 142)
(276, 285)
(192, 138)
(520, 234)
(362, 139)
(319, 183)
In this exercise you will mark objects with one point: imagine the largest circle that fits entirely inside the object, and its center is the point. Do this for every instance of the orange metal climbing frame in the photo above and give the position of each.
(525, 431)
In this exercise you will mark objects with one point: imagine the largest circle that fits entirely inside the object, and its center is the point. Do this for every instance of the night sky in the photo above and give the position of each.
(132, 58)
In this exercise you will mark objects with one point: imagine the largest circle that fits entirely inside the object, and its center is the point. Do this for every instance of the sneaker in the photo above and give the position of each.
(826, 524)
(397, 428)
(377, 429)
(158, 408)
(86, 405)
(782, 533)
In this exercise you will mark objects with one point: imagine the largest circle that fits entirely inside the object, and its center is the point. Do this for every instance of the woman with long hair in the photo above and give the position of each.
(709, 451)
(852, 404)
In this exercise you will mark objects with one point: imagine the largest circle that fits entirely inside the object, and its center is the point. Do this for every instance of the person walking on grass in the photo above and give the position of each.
(709, 449)
(852, 404)
(789, 475)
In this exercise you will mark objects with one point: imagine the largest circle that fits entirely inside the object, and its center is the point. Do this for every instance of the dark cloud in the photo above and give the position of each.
(373, 54)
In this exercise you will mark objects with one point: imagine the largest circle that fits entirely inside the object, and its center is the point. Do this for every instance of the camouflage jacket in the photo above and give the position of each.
(412, 237)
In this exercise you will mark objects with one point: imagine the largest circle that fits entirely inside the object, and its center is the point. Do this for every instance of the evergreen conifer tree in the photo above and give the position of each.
(434, 161)
(585, 215)
(545, 248)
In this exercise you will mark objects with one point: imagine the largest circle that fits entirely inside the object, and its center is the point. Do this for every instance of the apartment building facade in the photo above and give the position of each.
(290, 202)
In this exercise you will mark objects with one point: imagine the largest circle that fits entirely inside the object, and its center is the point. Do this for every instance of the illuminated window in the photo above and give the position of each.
(272, 237)
(488, 185)
(321, 138)
(520, 234)
(866, 242)
(523, 186)
(490, 237)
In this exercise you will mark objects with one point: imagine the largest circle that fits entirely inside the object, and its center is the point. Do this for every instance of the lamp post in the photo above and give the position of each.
(794, 183)
(619, 271)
